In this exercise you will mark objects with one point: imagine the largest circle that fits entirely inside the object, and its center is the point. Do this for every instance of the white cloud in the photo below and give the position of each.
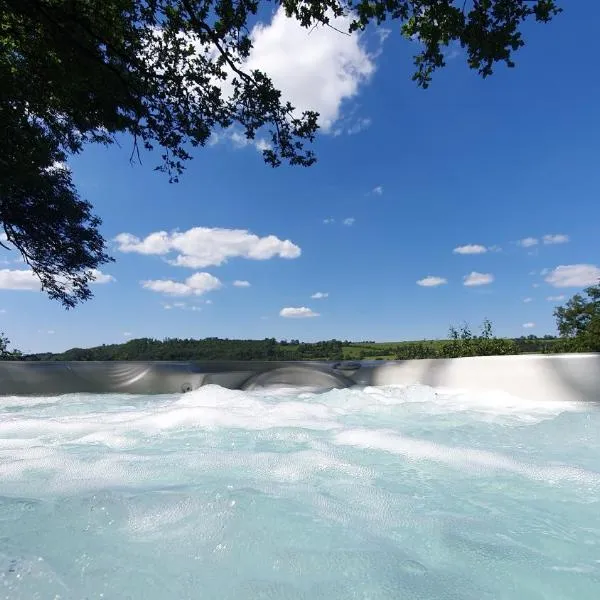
(527, 300)
(349, 221)
(432, 281)
(182, 306)
(315, 69)
(241, 283)
(301, 312)
(100, 277)
(208, 301)
(25, 279)
(201, 247)
(555, 298)
(528, 242)
(358, 126)
(475, 278)
(558, 238)
(127, 334)
(470, 249)
(528, 325)
(197, 284)
(320, 295)
(579, 275)
(47, 331)
(155, 243)
(535, 285)
(378, 190)
(2, 311)
(239, 140)
(58, 165)
(319, 68)
(328, 221)
(350, 124)
(19, 279)
(495, 248)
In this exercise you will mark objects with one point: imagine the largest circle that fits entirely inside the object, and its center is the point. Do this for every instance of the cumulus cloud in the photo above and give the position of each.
(349, 221)
(528, 325)
(378, 190)
(474, 278)
(195, 285)
(470, 249)
(555, 298)
(579, 275)
(25, 279)
(528, 242)
(201, 247)
(558, 238)
(320, 295)
(301, 312)
(19, 279)
(328, 221)
(100, 277)
(315, 69)
(239, 140)
(527, 300)
(241, 283)
(432, 281)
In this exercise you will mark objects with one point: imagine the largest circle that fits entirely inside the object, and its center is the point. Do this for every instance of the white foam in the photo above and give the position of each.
(477, 461)
(281, 435)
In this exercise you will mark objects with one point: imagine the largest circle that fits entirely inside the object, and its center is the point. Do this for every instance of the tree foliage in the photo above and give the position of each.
(462, 342)
(5, 352)
(579, 321)
(75, 72)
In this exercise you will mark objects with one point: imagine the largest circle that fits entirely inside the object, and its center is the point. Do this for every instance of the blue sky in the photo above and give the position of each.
(405, 176)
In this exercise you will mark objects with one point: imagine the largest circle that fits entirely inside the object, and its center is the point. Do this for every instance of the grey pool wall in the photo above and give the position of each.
(569, 377)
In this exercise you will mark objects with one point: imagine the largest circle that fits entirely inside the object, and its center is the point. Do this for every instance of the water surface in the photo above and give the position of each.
(373, 493)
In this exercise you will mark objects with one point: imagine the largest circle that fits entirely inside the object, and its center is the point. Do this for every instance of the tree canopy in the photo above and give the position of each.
(5, 352)
(579, 320)
(74, 72)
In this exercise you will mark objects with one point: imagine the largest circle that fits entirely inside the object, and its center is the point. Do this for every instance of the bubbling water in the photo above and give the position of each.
(292, 493)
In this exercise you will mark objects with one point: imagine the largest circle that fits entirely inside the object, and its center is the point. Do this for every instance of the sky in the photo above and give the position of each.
(472, 199)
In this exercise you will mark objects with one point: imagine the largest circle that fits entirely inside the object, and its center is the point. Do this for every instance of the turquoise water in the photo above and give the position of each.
(374, 493)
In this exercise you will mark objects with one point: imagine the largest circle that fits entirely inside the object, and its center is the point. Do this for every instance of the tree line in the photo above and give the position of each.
(578, 323)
